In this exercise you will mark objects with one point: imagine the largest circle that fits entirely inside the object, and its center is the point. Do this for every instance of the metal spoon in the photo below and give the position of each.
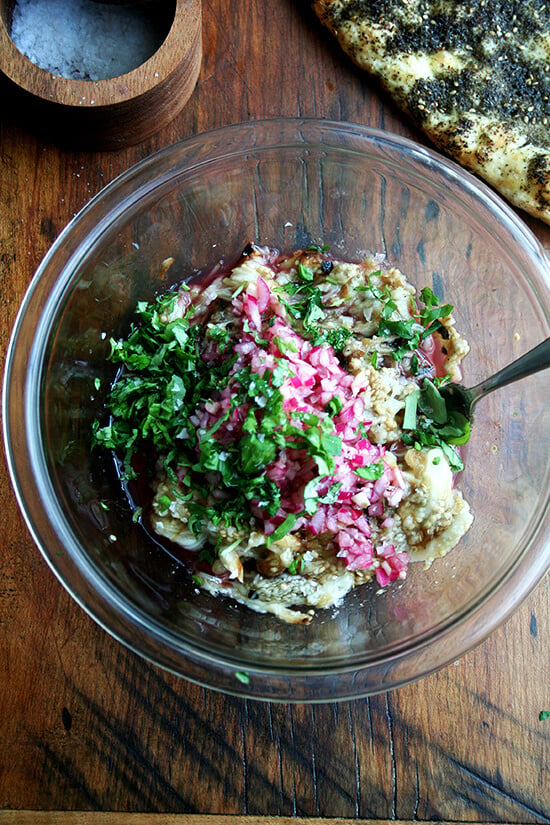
(463, 400)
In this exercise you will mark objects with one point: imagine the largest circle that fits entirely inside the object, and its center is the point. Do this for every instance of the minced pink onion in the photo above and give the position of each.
(315, 378)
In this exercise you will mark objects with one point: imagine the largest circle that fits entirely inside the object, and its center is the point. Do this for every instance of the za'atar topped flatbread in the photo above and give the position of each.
(474, 75)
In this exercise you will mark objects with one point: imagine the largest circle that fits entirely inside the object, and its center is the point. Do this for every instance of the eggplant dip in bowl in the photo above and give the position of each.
(274, 405)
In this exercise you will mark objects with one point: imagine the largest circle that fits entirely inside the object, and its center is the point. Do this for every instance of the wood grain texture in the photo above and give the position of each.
(86, 725)
(96, 818)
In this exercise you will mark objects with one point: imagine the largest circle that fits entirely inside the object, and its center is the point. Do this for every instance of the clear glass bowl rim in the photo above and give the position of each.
(120, 618)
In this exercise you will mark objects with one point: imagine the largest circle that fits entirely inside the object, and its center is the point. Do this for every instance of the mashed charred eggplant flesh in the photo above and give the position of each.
(293, 411)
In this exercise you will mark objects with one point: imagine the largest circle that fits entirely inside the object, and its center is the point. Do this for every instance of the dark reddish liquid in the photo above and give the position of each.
(139, 494)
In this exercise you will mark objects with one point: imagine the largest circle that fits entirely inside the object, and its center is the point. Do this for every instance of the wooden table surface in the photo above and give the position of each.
(86, 725)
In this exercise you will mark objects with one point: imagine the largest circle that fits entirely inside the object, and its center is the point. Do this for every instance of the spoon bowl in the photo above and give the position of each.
(461, 400)
(441, 415)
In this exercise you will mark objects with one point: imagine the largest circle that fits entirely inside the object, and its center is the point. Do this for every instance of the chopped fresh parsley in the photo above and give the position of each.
(371, 472)
(165, 378)
(165, 502)
(310, 311)
(162, 382)
(336, 337)
(408, 333)
(426, 422)
(284, 345)
(411, 407)
(170, 372)
(242, 677)
(305, 273)
(333, 406)
(318, 248)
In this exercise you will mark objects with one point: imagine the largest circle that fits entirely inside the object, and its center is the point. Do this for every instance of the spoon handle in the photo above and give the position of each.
(533, 361)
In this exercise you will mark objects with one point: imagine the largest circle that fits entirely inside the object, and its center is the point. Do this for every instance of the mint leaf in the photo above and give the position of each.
(428, 423)
(431, 403)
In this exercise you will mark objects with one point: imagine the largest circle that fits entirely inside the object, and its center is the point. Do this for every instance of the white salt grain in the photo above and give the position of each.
(82, 39)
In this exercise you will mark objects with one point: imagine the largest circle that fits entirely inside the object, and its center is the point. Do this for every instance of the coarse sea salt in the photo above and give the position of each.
(82, 39)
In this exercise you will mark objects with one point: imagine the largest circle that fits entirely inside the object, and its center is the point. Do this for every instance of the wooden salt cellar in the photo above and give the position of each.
(119, 111)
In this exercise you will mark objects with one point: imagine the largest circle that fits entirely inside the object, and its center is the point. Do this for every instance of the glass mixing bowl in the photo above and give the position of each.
(287, 184)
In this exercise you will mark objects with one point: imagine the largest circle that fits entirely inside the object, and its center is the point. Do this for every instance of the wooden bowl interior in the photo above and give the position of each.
(164, 18)
(132, 105)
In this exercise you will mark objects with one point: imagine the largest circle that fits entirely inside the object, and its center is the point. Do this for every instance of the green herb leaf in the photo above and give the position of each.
(333, 406)
(428, 423)
(431, 403)
(256, 452)
(284, 345)
(164, 502)
(336, 338)
(309, 310)
(242, 676)
(371, 472)
(304, 273)
(311, 498)
(331, 495)
(296, 565)
(318, 248)
(411, 407)
(408, 331)
(283, 528)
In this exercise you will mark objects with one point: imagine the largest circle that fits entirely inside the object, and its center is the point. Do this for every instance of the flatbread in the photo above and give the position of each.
(473, 75)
